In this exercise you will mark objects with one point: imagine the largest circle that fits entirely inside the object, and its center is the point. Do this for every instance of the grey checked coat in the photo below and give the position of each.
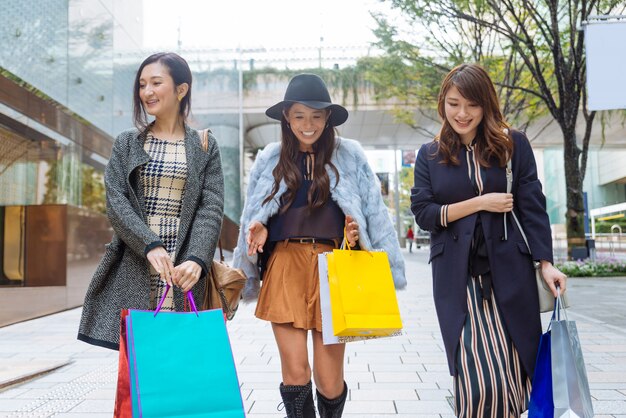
(122, 280)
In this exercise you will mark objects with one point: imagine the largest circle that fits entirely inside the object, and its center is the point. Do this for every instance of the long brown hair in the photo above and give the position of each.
(492, 138)
(287, 169)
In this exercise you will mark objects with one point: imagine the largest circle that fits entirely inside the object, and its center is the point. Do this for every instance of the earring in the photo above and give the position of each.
(180, 98)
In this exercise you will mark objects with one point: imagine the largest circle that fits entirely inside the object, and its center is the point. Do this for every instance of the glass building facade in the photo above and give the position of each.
(66, 76)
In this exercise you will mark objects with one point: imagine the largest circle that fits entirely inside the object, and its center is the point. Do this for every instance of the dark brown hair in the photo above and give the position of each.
(287, 170)
(492, 138)
(180, 73)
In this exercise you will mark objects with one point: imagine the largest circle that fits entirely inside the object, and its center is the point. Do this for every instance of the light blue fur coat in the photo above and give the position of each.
(357, 194)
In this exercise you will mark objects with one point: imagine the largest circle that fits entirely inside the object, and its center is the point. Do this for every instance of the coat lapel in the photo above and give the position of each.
(137, 157)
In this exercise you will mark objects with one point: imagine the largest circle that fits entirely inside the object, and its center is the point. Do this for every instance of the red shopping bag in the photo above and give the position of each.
(123, 401)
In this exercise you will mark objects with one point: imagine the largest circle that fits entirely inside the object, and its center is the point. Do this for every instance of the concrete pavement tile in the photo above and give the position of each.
(53, 406)
(434, 376)
(14, 370)
(263, 395)
(260, 376)
(257, 368)
(605, 348)
(379, 359)
(408, 359)
(263, 407)
(442, 367)
(356, 367)
(359, 377)
(398, 386)
(95, 405)
(608, 395)
(433, 395)
(607, 385)
(446, 384)
(364, 349)
(259, 385)
(33, 394)
(416, 367)
(610, 367)
(19, 405)
(383, 395)
(12, 392)
(83, 415)
(370, 407)
(424, 407)
(61, 377)
(606, 377)
(248, 360)
(37, 385)
(384, 377)
(609, 407)
(103, 394)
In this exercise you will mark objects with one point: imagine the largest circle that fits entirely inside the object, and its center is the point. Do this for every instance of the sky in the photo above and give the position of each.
(250, 24)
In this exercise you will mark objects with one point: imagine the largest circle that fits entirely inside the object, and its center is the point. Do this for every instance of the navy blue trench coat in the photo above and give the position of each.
(513, 277)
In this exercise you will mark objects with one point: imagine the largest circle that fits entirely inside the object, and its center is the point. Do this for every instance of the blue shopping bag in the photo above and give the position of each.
(181, 365)
(541, 401)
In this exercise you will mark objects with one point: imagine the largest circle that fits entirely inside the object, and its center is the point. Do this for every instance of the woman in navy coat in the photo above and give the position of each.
(484, 283)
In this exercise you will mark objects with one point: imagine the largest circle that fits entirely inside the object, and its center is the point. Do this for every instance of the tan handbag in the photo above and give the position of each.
(224, 287)
(225, 283)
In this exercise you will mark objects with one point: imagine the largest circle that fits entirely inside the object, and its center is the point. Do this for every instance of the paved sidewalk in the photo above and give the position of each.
(403, 376)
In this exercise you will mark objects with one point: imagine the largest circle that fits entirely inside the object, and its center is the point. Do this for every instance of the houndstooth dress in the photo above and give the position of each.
(163, 179)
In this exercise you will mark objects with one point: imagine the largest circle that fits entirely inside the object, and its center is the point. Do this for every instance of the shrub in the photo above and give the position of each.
(602, 267)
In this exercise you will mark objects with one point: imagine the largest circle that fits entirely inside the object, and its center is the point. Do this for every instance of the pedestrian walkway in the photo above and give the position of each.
(403, 376)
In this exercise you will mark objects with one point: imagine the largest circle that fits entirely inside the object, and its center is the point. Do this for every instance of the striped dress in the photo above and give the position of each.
(491, 381)
(163, 179)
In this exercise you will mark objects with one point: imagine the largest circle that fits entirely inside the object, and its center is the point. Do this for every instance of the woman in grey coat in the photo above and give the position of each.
(165, 201)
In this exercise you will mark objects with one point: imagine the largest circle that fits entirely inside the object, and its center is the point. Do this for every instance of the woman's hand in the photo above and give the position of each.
(257, 235)
(162, 263)
(553, 277)
(352, 231)
(496, 202)
(186, 275)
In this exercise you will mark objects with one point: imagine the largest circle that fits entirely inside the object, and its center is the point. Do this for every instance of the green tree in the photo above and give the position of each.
(93, 192)
(534, 51)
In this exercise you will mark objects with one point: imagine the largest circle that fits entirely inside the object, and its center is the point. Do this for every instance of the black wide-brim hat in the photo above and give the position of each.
(309, 90)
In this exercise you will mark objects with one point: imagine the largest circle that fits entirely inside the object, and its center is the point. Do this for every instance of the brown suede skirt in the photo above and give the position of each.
(290, 293)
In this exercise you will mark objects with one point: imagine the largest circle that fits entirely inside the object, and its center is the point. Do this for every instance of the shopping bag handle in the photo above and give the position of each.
(558, 306)
(344, 243)
(188, 294)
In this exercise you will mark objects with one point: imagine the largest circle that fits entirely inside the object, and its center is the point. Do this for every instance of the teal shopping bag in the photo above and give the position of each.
(181, 365)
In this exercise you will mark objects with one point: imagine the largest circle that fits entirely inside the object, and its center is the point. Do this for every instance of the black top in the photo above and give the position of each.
(299, 221)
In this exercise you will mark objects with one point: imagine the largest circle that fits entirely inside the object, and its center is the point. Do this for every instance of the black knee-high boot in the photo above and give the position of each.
(298, 400)
(332, 408)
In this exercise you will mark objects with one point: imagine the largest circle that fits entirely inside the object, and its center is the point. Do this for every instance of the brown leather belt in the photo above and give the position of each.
(313, 241)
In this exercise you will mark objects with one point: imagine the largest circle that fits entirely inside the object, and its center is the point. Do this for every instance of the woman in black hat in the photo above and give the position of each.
(303, 191)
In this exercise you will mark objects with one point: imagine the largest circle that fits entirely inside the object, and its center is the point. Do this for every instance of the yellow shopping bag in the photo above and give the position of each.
(362, 295)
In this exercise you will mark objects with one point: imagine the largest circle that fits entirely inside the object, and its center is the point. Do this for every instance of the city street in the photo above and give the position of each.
(404, 376)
